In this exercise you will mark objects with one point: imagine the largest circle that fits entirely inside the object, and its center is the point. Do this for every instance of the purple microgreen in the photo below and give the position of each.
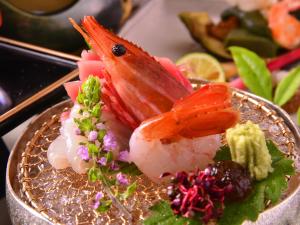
(109, 141)
(83, 152)
(114, 166)
(93, 135)
(122, 179)
(100, 126)
(77, 131)
(124, 156)
(98, 197)
(102, 161)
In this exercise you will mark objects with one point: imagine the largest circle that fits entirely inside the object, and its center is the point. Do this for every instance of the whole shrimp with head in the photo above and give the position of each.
(187, 137)
(134, 86)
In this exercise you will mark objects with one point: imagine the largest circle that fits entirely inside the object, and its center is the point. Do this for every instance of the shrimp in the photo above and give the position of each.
(186, 137)
(136, 85)
(250, 5)
(63, 151)
(285, 27)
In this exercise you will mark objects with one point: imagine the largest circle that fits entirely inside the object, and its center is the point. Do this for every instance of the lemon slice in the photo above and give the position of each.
(202, 66)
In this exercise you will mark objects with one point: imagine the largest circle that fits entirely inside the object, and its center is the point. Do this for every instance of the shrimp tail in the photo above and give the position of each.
(207, 111)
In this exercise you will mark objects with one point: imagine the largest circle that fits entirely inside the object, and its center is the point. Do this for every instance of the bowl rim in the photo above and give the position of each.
(279, 111)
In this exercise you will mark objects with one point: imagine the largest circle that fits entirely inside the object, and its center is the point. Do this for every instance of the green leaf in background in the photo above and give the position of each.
(253, 71)
(298, 116)
(162, 214)
(270, 188)
(287, 87)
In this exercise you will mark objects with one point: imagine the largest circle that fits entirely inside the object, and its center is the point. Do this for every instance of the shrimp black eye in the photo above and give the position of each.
(118, 50)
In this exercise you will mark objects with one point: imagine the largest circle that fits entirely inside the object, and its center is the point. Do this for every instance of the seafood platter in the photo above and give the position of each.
(139, 143)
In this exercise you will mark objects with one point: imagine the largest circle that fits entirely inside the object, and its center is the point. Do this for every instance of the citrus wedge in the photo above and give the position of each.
(201, 66)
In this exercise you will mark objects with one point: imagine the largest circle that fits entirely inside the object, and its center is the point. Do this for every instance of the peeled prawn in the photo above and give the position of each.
(185, 137)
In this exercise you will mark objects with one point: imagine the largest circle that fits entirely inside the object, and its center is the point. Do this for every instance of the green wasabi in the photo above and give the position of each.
(248, 147)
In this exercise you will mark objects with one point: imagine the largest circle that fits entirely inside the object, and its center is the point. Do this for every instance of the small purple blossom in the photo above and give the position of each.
(124, 156)
(98, 197)
(102, 161)
(122, 179)
(114, 166)
(100, 126)
(109, 141)
(83, 152)
(93, 135)
(77, 131)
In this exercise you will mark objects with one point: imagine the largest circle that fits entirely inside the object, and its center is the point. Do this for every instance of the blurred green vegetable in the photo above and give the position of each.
(287, 87)
(260, 45)
(196, 23)
(252, 21)
(253, 71)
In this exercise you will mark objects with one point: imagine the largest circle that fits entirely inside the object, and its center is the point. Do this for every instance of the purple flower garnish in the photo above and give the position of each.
(77, 131)
(93, 135)
(100, 126)
(83, 152)
(98, 196)
(109, 141)
(122, 179)
(124, 156)
(102, 161)
(114, 165)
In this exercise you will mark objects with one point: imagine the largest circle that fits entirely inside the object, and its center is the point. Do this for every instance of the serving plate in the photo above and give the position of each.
(39, 194)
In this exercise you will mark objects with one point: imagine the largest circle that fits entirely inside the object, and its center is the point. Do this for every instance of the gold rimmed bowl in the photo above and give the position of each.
(39, 194)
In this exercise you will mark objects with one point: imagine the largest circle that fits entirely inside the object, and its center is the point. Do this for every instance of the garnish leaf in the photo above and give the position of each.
(129, 191)
(223, 154)
(84, 124)
(104, 205)
(253, 71)
(298, 116)
(162, 214)
(129, 169)
(287, 87)
(267, 189)
(94, 174)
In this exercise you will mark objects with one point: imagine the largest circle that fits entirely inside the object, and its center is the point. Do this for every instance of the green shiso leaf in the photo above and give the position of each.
(162, 214)
(270, 188)
(235, 213)
(287, 87)
(253, 71)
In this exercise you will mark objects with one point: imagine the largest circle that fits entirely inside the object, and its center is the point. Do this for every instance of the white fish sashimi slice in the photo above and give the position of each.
(72, 145)
(154, 158)
(120, 131)
(63, 151)
(56, 153)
